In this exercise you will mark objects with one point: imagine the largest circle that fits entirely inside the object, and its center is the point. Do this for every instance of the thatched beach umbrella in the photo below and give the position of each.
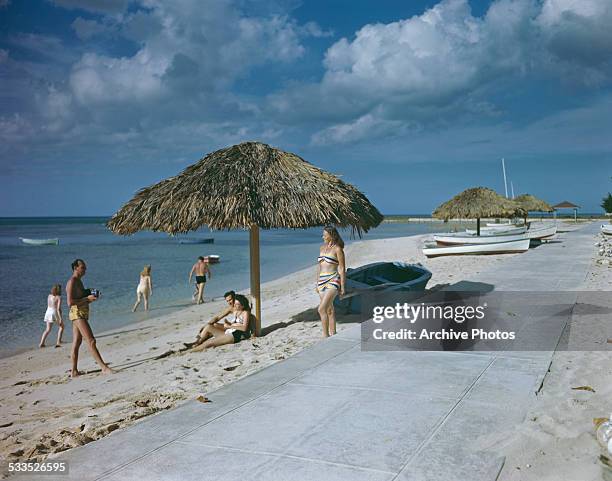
(247, 186)
(531, 203)
(476, 203)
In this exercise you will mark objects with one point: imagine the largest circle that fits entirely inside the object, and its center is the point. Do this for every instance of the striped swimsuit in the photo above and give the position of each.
(327, 280)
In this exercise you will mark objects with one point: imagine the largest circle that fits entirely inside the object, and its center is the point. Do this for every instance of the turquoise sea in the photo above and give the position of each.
(114, 263)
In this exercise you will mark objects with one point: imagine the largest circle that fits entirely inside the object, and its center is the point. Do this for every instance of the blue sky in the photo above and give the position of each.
(410, 101)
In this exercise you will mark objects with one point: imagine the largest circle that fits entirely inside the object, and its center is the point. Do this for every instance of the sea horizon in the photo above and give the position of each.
(30, 271)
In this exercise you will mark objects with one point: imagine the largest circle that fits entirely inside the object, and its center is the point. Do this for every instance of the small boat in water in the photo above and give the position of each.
(392, 276)
(606, 229)
(212, 259)
(40, 242)
(503, 247)
(209, 240)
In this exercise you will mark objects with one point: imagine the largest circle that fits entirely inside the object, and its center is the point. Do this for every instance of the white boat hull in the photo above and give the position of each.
(501, 225)
(212, 259)
(40, 242)
(508, 247)
(498, 230)
(463, 238)
(606, 229)
(545, 231)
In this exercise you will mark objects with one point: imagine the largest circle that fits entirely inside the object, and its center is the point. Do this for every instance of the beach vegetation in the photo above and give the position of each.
(606, 203)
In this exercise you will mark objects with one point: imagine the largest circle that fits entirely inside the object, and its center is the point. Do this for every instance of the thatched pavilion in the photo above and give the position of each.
(476, 203)
(247, 186)
(568, 205)
(531, 203)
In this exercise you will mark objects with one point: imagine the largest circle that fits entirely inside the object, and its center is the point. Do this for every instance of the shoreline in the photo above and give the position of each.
(178, 304)
(47, 412)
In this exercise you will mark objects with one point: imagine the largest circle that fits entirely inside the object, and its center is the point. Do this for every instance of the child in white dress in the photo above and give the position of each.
(53, 314)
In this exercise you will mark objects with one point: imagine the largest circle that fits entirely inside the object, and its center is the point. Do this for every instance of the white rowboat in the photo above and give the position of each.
(498, 230)
(606, 229)
(462, 238)
(508, 247)
(505, 224)
(40, 242)
(212, 259)
(541, 231)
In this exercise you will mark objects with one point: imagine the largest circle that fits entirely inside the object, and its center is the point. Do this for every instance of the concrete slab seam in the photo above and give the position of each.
(291, 456)
(138, 458)
(440, 423)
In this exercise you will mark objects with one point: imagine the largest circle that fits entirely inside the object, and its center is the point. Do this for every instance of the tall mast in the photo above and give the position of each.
(505, 183)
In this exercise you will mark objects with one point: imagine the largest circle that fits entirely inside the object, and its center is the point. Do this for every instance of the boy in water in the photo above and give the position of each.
(200, 269)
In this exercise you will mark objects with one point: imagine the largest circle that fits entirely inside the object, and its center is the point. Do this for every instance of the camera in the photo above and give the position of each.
(95, 292)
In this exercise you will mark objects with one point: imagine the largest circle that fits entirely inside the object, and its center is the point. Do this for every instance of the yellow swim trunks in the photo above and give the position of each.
(79, 312)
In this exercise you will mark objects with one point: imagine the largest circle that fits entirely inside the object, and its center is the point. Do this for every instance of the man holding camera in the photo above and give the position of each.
(79, 299)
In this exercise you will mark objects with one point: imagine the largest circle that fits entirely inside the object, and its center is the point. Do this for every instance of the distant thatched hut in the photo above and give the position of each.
(568, 205)
(476, 203)
(531, 203)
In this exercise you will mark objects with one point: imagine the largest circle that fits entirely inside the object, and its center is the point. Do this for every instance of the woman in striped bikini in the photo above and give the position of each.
(331, 277)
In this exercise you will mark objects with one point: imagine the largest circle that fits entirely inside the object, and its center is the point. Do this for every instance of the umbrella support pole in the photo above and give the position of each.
(255, 278)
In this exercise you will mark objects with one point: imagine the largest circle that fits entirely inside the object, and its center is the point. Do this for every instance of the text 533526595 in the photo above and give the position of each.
(51, 467)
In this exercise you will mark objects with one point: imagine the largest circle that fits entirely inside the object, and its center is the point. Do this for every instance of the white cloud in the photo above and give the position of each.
(578, 37)
(412, 68)
(86, 29)
(97, 78)
(14, 128)
(94, 6)
(185, 59)
(448, 61)
(368, 125)
(185, 49)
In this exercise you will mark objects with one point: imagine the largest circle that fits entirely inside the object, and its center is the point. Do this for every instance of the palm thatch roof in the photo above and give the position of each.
(566, 205)
(532, 204)
(244, 185)
(476, 203)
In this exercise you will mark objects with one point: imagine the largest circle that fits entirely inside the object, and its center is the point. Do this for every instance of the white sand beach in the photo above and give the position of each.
(46, 412)
(557, 439)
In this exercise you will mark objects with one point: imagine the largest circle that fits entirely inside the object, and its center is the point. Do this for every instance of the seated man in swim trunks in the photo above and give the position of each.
(200, 268)
(206, 331)
(78, 302)
(231, 332)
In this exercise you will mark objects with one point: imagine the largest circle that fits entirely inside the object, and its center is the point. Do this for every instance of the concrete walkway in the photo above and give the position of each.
(335, 412)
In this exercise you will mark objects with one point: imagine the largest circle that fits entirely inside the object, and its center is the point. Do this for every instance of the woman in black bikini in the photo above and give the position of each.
(231, 332)
(331, 277)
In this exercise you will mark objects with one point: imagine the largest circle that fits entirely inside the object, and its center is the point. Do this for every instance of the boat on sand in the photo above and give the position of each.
(503, 247)
(542, 231)
(379, 276)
